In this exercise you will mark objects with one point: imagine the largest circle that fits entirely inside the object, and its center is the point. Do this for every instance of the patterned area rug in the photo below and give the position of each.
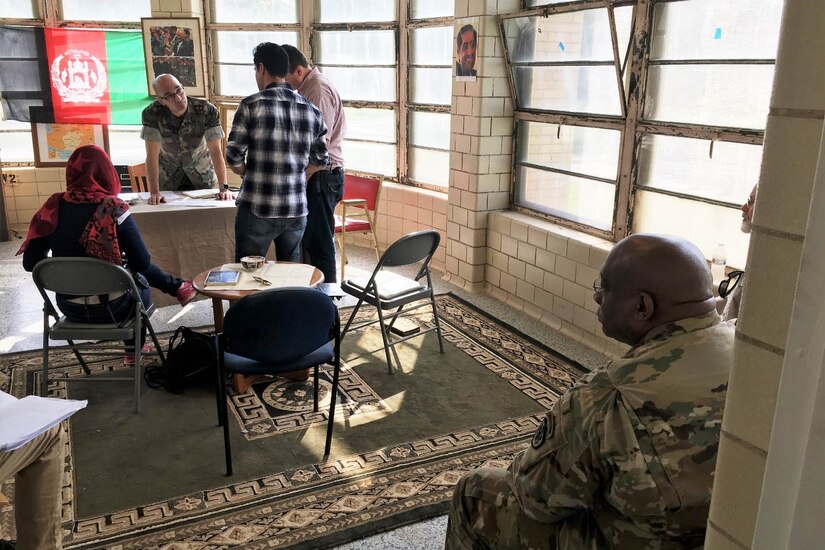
(365, 487)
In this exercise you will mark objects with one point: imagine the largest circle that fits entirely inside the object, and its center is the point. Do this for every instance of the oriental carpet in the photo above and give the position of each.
(155, 480)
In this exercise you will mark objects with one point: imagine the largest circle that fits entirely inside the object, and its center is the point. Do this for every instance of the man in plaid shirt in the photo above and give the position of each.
(275, 135)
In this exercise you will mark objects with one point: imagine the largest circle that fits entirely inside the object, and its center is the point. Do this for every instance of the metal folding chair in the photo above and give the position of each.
(389, 291)
(92, 277)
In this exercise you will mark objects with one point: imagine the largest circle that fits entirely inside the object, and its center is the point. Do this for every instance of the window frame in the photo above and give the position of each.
(632, 124)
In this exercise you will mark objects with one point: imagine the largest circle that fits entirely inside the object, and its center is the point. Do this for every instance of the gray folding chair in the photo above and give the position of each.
(387, 291)
(92, 277)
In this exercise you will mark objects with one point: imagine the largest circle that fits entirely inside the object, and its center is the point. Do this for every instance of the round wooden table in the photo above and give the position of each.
(219, 294)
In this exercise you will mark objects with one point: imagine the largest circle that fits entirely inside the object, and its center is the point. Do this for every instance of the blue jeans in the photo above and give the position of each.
(116, 311)
(159, 279)
(253, 235)
(324, 190)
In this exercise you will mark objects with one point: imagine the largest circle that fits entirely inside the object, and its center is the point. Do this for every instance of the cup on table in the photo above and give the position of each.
(252, 263)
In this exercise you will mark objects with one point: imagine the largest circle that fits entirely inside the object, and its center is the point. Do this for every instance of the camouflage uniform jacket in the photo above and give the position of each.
(631, 451)
(183, 151)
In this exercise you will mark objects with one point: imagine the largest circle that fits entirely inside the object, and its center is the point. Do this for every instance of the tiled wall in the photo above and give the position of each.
(26, 189)
(548, 272)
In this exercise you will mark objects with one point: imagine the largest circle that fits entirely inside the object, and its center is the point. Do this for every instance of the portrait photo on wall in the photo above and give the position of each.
(173, 46)
(466, 45)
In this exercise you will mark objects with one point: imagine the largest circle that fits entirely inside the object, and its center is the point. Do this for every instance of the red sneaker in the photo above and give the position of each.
(129, 358)
(186, 293)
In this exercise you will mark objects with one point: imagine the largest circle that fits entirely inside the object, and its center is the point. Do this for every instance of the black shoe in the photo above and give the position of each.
(7, 545)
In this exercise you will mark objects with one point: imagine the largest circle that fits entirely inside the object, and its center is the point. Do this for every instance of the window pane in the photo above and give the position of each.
(428, 166)
(237, 46)
(432, 46)
(115, 10)
(422, 9)
(370, 157)
(684, 165)
(709, 29)
(430, 130)
(431, 86)
(370, 124)
(576, 89)
(19, 9)
(236, 80)
(244, 11)
(591, 151)
(16, 141)
(353, 11)
(575, 36)
(581, 200)
(365, 84)
(355, 48)
(703, 224)
(125, 145)
(531, 3)
(719, 95)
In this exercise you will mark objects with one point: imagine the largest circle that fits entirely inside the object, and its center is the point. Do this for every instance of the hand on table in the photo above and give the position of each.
(225, 195)
(156, 198)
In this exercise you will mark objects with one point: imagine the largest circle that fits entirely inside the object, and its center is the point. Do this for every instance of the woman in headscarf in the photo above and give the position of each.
(90, 220)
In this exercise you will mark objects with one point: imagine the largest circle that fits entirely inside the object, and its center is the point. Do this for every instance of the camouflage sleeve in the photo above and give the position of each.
(150, 130)
(212, 124)
(238, 137)
(561, 471)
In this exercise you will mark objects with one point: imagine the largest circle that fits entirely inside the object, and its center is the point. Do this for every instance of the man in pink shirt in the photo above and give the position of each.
(325, 185)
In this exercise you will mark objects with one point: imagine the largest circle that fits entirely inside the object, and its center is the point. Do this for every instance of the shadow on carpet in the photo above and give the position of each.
(401, 441)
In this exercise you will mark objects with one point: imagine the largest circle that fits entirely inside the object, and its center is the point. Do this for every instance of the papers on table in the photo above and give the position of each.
(201, 193)
(21, 420)
(279, 274)
(133, 198)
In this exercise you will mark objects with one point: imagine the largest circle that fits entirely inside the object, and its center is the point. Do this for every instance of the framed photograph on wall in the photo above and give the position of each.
(54, 142)
(173, 46)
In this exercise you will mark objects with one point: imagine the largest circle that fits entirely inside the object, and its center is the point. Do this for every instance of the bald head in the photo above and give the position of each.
(170, 93)
(650, 280)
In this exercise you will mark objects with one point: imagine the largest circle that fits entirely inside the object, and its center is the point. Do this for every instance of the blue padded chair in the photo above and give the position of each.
(277, 331)
(386, 290)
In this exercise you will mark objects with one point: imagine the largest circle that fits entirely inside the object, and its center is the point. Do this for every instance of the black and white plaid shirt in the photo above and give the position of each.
(279, 132)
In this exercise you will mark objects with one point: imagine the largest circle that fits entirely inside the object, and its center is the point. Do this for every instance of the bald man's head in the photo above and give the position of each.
(648, 280)
(170, 93)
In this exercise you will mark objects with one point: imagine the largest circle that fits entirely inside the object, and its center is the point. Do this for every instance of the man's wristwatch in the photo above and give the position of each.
(225, 187)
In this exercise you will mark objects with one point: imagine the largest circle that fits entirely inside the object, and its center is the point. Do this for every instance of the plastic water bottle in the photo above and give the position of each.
(720, 259)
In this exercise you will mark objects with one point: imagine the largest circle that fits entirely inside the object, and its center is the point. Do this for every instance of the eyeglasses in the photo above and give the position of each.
(729, 283)
(262, 280)
(174, 93)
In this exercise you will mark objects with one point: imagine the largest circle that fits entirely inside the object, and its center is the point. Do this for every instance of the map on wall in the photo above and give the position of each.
(55, 142)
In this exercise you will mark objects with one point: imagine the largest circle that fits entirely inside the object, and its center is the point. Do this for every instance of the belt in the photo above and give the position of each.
(336, 170)
(94, 299)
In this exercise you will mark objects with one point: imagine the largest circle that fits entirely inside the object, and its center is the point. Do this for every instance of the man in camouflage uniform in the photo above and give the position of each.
(626, 459)
(183, 142)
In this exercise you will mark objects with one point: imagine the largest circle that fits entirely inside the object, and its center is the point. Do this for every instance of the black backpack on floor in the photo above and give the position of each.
(190, 362)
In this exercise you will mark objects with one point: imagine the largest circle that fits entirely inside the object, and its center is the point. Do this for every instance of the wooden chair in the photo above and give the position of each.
(357, 211)
(137, 178)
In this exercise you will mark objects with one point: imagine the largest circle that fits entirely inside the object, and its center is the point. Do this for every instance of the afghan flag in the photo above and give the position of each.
(97, 77)
(24, 75)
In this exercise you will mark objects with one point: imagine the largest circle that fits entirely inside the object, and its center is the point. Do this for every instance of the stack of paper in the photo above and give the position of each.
(201, 193)
(21, 420)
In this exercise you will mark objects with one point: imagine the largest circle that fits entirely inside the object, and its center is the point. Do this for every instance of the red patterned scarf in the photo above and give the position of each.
(90, 179)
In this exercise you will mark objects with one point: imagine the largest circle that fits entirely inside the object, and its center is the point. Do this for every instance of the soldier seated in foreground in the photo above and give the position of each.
(626, 459)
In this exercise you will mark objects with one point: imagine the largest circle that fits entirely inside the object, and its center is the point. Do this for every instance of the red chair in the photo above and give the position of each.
(357, 211)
